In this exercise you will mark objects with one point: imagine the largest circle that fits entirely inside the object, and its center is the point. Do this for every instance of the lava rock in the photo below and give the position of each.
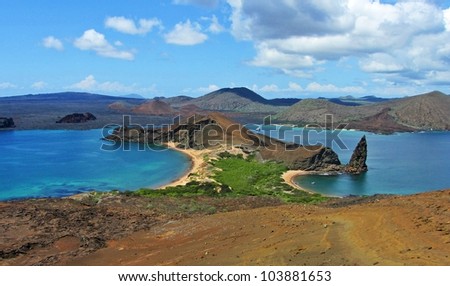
(6, 122)
(77, 118)
(357, 164)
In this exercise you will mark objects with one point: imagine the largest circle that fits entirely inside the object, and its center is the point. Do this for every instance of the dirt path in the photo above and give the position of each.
(412, 230)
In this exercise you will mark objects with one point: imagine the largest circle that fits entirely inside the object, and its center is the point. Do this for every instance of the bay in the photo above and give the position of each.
(401, 163)
(58, 163)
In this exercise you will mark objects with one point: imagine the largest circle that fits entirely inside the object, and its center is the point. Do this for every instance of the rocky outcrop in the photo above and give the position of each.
(77, 118)
(6, 123)
(214, 130)
(357, 164)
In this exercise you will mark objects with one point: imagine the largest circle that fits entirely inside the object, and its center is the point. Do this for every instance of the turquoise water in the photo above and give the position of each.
(403, 163)
(60, 163)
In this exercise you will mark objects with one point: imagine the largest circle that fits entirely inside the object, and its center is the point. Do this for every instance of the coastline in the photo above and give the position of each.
(196, 160)
(290, 175)
(289, 178)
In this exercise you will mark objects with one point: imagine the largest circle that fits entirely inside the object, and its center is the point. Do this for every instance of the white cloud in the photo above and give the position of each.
(7, 85)
(186, 34)
(381, 63)
(268, 56)
(91, 40)
(295, 86)
(447, 19)
(270, 88)
(39, 85)
(51, 42)
(204, 3)
(91, 84)
(330, 88)
(215, 27)
(294, 36)
(208, 89)
(128, 26)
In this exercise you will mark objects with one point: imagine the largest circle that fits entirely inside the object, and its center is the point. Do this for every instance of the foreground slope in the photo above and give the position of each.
(410, 230)
(130, 230)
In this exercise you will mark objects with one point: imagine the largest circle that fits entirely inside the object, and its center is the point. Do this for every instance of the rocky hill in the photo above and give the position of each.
(176, 101)
(426, 111)
(154, 107)
(240, 99)
(430, 111)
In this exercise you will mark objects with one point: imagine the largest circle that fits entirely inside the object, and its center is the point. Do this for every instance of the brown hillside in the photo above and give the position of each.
(154, 107)
(189, 109)
(121, 106)
(421, 112)
(426, 111)
(315, 110)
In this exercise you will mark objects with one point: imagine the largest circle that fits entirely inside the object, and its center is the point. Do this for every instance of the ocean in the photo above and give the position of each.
(401, 163)
(58, 163)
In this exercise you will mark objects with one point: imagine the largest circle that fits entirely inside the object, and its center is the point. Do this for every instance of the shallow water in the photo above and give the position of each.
(403, 163)
(59, 163)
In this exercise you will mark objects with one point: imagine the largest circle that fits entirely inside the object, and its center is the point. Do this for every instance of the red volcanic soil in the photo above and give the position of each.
(154, 107)
(129, 230)
(412, 230)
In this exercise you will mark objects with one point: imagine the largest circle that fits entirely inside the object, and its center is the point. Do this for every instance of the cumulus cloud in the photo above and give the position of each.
(407, 37)
(128, 26)
(88, 83)
(39, 85)
(7, 85)
(92, 40)
(186, 34)
(204, 3)
(91, 84)
(51, 42)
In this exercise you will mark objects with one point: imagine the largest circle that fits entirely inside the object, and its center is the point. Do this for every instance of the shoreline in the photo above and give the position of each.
(196, 162)
(289, 178)
(290, 175)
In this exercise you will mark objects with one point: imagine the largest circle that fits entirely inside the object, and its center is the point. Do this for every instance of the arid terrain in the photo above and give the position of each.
(123, 230)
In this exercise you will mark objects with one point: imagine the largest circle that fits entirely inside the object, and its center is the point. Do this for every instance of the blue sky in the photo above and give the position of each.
(284, 48)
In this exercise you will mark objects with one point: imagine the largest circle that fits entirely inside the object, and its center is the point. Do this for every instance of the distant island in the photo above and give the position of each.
(430, 111)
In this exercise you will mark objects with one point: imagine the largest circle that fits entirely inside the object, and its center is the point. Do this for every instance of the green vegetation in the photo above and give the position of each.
(237, 177)
(251, 178)
(191, 189)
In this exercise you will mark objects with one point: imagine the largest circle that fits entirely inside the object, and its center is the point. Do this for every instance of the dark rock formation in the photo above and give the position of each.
(357, 162)
(6, 123)
(299, 157)
(77, 118)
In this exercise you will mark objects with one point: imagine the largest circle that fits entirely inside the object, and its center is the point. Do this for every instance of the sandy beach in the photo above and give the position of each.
(198, 166)
(197, 162)
(290, 175)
